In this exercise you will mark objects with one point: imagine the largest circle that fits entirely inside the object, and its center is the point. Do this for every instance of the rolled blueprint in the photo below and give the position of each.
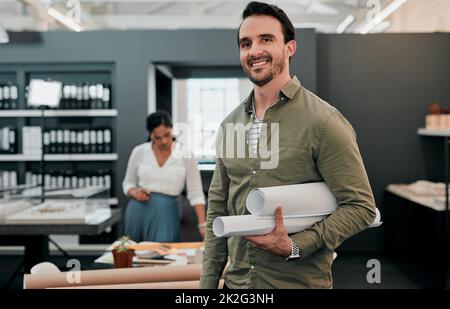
(295, 199)
(303, 205)
(252, 225)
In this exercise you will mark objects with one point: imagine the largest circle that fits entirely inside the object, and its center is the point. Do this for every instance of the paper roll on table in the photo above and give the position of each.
(303, 205)
(182, 285)
(115, 276)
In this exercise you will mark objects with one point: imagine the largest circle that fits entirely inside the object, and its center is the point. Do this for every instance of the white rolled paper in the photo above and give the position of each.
(303, 205)
(247, 225)
(296, 199)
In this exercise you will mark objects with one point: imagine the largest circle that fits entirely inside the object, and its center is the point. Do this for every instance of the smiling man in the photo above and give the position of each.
(316, 143)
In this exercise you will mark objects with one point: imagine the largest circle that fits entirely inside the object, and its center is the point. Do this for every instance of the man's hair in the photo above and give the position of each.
(260, 8)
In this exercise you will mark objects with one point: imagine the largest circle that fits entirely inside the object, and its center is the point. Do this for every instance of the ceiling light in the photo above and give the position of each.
(66, 21)
(345, 24)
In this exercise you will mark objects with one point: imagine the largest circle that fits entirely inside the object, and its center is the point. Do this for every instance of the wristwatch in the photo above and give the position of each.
(295, 252)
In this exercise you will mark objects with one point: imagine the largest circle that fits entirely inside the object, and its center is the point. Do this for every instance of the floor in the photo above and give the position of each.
(349, 272)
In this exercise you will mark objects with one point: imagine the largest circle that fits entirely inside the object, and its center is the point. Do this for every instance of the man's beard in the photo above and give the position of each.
(274, 71)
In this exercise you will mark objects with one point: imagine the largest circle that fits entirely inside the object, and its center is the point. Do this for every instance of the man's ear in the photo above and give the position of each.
(291, 47)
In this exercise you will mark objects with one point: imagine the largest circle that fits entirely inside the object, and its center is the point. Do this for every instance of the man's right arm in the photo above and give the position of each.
(215, 255)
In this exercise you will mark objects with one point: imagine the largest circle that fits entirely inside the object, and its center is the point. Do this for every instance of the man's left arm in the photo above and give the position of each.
(339, 162)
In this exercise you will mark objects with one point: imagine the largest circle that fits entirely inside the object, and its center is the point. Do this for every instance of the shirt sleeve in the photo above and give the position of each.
(215, 255)
(131, 178)
(339, 162)
(194, 184)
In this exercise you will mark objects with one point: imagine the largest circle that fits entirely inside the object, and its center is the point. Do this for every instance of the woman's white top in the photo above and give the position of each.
(144, 171)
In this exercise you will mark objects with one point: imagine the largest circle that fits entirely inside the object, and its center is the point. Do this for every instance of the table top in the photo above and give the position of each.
(423, 200)
(62, 229)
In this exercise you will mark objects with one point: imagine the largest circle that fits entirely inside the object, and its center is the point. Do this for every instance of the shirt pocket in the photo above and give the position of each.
(292, 160)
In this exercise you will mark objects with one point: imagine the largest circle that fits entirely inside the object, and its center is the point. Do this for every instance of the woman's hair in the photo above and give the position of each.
(156, 119)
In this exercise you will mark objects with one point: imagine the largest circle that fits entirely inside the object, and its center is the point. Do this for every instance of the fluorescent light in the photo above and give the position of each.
(344, 25)
(4, 37)
(64, 20)
(388, 10)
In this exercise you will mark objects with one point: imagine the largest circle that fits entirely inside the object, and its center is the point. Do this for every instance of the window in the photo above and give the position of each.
(206, 103)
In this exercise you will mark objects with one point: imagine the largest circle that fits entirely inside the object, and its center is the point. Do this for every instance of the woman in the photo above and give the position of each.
(153, 181)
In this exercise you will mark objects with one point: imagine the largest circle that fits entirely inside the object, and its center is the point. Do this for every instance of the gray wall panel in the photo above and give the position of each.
(132, 52)
(383, 84)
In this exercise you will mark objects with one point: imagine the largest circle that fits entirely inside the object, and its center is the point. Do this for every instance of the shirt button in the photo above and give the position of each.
(253, 172)
(252, 267)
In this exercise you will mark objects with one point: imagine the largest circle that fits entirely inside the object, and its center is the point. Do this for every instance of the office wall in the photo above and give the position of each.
(132, 52)
(383, 84)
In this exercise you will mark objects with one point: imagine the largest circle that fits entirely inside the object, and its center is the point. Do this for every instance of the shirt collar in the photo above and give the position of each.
(289, 90)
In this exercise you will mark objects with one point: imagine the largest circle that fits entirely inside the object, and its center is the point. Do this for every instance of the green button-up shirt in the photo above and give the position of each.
(316, 143)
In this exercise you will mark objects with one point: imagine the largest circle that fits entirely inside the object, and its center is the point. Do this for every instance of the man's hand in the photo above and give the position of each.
(139, 194)
(277, 241)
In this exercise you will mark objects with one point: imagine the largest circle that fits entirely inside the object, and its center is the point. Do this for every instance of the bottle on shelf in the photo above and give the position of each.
(6, 97)
(59, 141)
(46, 141)
(85, 101)
(79, 144)
(73, 141)
(1, 97)
(107, 140)
(8, 179)
(100, 142)
(93, 141)
(65, 99)
(8, 140)
(106, 100)
(86, 141)
(14, 96)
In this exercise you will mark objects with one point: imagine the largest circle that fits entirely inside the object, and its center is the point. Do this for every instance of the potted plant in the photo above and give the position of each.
(123, 256)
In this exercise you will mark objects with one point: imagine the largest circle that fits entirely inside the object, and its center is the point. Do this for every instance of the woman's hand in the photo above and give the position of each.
(201, 215)
(139, 194)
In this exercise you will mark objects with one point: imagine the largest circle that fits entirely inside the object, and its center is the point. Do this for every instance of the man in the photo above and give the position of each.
(316, 143)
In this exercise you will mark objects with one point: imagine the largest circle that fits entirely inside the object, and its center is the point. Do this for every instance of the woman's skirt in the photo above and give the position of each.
(157, 220)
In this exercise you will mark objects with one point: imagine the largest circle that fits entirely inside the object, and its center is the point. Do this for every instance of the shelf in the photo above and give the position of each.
(61, 157)
(93, 227)
(111, 200)
(18, 157)
(60, 113)
(82, 157)
(428, 132)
